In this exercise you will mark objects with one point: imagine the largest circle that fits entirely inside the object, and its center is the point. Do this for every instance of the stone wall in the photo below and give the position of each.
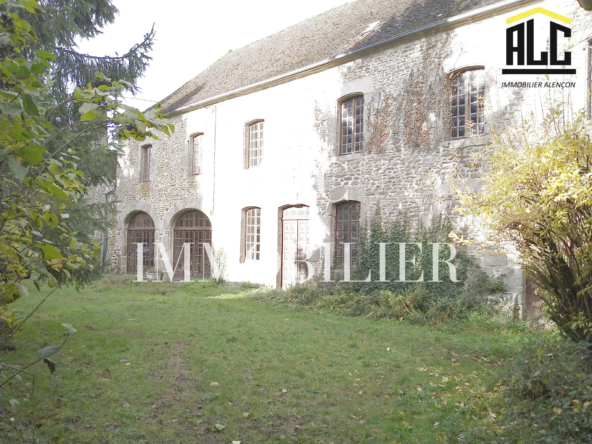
(407, 173)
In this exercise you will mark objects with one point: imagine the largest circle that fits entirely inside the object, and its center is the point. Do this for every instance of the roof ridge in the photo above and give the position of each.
(333, 33)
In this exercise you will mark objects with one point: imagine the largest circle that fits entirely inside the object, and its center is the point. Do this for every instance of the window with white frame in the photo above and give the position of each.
(196, 153)
(253, 234)
(254, 144)
(352, 125)
(468, 104)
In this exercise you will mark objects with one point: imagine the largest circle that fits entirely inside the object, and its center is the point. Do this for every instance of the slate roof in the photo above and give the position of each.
(337, 31)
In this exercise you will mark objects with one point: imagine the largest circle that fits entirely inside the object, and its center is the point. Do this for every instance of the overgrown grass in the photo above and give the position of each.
(468, 310)
(166, 363)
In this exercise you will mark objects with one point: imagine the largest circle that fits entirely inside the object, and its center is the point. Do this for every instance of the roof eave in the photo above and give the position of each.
(341, 59)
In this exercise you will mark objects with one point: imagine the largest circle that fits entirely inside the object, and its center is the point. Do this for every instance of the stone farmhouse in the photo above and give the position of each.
(291, 141)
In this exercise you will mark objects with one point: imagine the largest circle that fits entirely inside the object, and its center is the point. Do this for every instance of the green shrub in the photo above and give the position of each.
(397, 231)
(420, 302)
(199, 284)
(416, 304)
(430, 302)
(546, 396)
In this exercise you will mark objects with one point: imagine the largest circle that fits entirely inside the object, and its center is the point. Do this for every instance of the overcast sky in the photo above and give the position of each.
(191, 35)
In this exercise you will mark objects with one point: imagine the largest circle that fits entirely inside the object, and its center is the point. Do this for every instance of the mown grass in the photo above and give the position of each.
(144, 365)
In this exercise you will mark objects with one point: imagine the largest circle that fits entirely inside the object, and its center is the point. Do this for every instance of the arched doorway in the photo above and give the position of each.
(193, 227)
(140, 230)
(295, 244)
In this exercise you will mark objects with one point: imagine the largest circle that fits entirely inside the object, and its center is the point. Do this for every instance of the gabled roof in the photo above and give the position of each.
(337, 31)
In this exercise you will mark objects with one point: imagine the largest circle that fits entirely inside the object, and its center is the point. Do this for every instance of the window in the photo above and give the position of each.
(352, 125)
(468, 104)
(140, 230)
(196, 153)
(346, 231)
(146, 158)
(253, 234)
(254, 145)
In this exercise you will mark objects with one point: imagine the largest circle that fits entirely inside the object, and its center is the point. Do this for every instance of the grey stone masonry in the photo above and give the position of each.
(408, 161)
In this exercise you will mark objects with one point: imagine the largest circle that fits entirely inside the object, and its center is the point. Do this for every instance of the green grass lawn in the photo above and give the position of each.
(165, 363)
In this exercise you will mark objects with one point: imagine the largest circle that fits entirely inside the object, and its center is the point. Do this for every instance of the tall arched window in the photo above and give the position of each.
(140, 230)
(352, 125)
(468, 104)
(347, 225)
(193, 227)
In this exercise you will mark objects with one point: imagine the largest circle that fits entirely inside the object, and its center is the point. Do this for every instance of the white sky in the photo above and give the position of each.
(191, 35)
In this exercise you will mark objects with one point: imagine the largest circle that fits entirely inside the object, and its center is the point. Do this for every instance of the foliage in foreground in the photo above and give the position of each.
(537, 196)
(41, 179)
(60, 25)
(40, 186)
(546, 396)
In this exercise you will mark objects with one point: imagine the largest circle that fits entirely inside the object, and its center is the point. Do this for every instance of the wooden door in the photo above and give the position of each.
(140, 230)
(193, 228)
(295, 245)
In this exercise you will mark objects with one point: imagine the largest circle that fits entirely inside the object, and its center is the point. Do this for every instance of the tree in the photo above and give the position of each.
(62, 23)
(58, 29)
(41, 181)
(537, 197)
(38, 185)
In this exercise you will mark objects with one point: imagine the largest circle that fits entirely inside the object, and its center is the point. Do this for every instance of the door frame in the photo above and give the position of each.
(176, 229)
(280, 280)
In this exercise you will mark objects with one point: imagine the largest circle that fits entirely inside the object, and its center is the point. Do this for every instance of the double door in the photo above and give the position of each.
(295, 245)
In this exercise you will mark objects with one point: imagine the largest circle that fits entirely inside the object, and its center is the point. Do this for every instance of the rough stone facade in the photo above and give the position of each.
(406, 167)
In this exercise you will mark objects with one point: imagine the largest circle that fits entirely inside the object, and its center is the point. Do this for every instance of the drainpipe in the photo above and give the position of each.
(103, 234)
(214, 170)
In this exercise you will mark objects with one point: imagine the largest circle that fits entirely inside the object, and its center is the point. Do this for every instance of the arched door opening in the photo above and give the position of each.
(193, 227)
(140, 230)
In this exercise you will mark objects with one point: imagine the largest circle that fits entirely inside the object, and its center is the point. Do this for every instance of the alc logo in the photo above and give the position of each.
(520, 45)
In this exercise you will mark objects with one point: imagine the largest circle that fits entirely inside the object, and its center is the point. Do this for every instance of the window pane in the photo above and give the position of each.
(255, 144)
(346, 231)
(253, 234)
(468, 91)
(352, 125)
